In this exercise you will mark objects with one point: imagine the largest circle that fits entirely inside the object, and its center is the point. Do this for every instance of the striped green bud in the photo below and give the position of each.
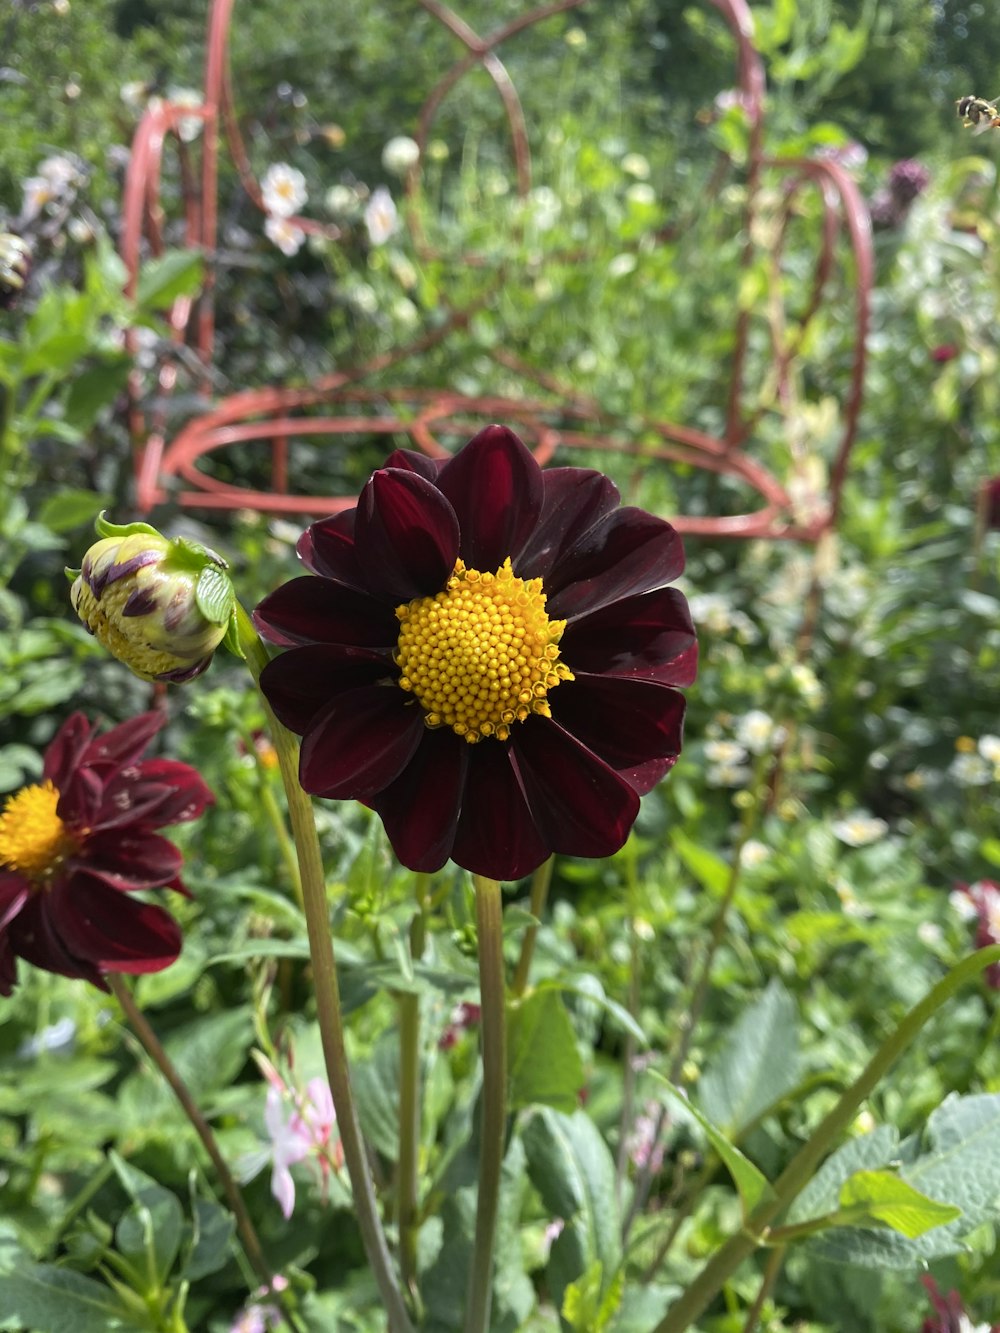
(160, 606)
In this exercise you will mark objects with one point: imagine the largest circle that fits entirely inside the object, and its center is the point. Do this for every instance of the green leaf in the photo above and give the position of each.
(752, 1184)
(887, 1198)
(822, 1194)
(543, 1061)
(376, 1087)
(757, 1065)
(212, 1235)
(709, 870)
(214, 594)
(70, 509)
(163, 280)
(961, 1167)
(572, 1168)
(47, 1299)
(93, 389)
(584, 1308)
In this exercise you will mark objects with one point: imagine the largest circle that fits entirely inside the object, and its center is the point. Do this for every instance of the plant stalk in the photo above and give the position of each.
(710, 1281)
(493, 1100)
(327, 989)
(540, 882)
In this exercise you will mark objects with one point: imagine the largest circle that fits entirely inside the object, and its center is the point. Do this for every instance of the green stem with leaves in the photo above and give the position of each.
(327, 987)
(540, 882)
(801, 1168)
(410, 1097)
(493, 1100)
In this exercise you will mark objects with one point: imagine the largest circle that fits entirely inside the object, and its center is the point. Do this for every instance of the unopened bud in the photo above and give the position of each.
(15, 265)
(160, 606)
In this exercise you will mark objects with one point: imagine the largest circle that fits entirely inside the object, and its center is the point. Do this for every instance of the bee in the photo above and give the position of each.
(977, 113)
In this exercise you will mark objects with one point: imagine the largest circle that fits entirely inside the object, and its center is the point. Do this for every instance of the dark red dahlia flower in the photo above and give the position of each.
(991, 502)
(75, 845)
(949, 1313)
(486, 658)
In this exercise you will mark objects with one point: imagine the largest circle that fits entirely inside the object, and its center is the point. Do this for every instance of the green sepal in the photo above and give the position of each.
(214, 595)
(105, 528)
(232, 639)
(72, 574)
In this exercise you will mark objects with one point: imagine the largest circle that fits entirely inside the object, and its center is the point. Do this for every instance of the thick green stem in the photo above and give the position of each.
(540, 882)
(493, 1101)
(328, 1009)
(801, 1168)
(408, 1167)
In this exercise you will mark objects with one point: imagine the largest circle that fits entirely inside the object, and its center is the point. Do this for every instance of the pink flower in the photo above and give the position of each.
(980, 902)
(944, 352)
(307, 1132)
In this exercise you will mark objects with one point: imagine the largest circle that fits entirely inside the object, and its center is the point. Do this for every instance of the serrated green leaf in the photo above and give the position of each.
(757, 1065)
(886, 1197)
(163, 280)
(572, 1168)
(752, 1185)
(214, 594)
(376, 1087)
(868, 1151)
(543, 1061)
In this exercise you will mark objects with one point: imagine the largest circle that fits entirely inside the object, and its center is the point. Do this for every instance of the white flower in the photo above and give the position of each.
(971, 770)
(929, 933)
(38, 194)
(727, 775)
(283, 191)
(634, 164)
(622, 265)
(188, 127)
(134, 94)
(859, 829)
(284, 234)
(80, 231)
(807, 684)
(754, 853)
(850, 902)
(381, 217)
(962, 905)
(641, 194)
(986, 897)
(341, 201)
(724, 752)
(61, 172)
(756, 731)
(989, 748)
(544, 207)
(400, 154)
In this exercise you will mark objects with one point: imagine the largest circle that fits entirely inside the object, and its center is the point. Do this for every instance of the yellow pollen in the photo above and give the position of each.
(482, 654)
(34, 841)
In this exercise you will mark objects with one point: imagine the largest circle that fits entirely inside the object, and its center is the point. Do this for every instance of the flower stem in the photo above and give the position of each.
(493, 1101)
(540, 882)
(151, 1044)
(710, 1281)
(327, 988)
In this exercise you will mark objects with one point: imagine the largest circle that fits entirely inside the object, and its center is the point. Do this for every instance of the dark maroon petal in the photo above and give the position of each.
(495, 487)
(35, 937)
(125, 743)
(302, 681)
(128, 861)
(327, 548)
(155, 793)
(65, 750)
(406, 535)
(624, 722)
(574, 499)
(112, 932)
(412, 461)
(360, 742)
(644, 777)
(649, 636)
(496, 834)
(627, 552)
(14, 891)
(420, 809)
(80, 798)
(315, 610)
(581, 806)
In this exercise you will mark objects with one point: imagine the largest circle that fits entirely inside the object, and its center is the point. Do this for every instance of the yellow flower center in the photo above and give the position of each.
(482, 654)
(34, 841)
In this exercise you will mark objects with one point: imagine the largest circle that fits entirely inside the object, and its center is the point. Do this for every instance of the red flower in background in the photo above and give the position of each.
(74, 846)
(949, 1313)
(980, 902)
(487, 657)
(991, 502)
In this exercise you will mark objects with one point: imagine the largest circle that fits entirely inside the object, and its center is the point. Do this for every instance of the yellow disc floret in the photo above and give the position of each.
(34, 841)
(482, 654)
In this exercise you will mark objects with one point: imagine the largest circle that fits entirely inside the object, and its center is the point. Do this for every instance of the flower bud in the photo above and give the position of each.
(15, 265)
(160, 606)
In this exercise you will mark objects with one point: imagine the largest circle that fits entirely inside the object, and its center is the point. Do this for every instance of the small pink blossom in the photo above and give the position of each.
(308, 1131)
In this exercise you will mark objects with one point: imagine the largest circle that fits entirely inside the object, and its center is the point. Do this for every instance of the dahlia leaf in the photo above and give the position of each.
(757, 1065)
(544, 1065)
(886, 1198)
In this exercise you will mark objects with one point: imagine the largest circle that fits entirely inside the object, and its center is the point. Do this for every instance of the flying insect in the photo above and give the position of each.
(977, 113)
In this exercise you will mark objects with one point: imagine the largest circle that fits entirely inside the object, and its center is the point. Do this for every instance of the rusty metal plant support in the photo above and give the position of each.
(554, 419)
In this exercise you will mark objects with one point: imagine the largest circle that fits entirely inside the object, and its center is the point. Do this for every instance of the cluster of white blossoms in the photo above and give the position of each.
(859, 829)
(976, 763)
(283, 193)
